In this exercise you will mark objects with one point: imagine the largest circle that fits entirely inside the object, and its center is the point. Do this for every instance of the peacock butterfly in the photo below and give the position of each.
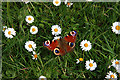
(63, 45)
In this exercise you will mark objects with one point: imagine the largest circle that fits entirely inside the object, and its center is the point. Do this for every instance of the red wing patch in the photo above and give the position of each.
(70, 38)
(52, 45)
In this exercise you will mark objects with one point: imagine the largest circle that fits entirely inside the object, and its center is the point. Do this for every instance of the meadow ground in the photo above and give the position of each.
(92, 21)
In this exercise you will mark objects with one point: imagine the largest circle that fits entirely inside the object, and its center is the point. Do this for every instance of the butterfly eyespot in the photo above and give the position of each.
(71, 44)
(73, 33)
(47, 43)
(57, 51)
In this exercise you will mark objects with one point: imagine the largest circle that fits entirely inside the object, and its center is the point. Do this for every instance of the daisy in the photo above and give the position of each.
(57, 37)
(79, 60)
(115, 63)
(90, 65)
(33, 30)
(4, 28)
(56, 30)
(42, 78)
(56, 2)
(30, 46)
(35, 56)
(29, 19)
(118, 68)
(26, 1)
(68, 3)
(109, 66)
(86, 45)
(116, 27)
(10, 32)
(111, 75)
(89, 0)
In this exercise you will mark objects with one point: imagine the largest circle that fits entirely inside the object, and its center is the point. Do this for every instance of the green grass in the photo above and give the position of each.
(97, 18)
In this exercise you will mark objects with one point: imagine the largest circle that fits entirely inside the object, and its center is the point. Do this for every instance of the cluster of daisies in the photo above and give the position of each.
(86, 46)
(58, 2)
(56, 30)
(91, 65)
(33, 29)
(31, 45)
(116, 65)
(55, 2)
(9, 32)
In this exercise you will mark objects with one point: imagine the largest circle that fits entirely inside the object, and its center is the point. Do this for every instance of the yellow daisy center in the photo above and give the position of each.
(9, 32)
(90, 64)
(3, 29)
(35, 55)
(29, 18)
(80, 59)
(33, 29)
(58, 39)
(112, 76)
(56, 30)
(86, 44)
(56, 1)
(68, 3)
(116, 62)
(117, 27)
(42, 78)
(30, 46)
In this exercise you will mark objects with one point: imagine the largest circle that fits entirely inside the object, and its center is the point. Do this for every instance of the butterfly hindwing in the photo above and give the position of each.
(55, 46)
(70, 39)
(51, 45)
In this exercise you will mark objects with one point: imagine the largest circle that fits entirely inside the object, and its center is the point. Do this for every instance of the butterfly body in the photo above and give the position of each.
(63, 45)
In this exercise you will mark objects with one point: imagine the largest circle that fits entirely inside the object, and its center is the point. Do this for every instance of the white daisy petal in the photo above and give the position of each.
(85, 45)
(90, 64)
(35, 56)
(65, 1)
(115, 63)
(56, 30)
(4, 28)
(57, 37)
(34, 52)
(42, 78)
(30, 45)
(92, 68)
(116, 27)
(68, 4)
(57, 2)
(77, 61)
(10, 32)
(87, 67)
(89, 0)
(33, 30)
(29, 19)
(94, 64)
(26, 1)
(111, 76)
(87, 63)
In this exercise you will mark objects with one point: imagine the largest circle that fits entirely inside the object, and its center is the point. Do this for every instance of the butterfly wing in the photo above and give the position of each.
(70, 39)
(55, 46)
